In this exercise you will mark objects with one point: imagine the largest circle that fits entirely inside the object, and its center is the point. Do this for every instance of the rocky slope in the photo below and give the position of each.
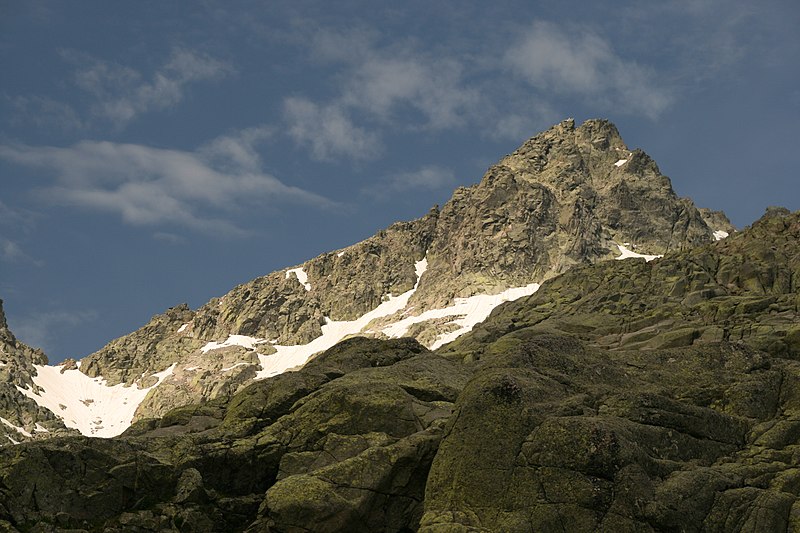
(743, 289)
(22, 419)
(569, 196)
(565, 411)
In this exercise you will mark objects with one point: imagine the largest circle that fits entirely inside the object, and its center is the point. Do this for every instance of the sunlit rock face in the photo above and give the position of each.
(568, 196)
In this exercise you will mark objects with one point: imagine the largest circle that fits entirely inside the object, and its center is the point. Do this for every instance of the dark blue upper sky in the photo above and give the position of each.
(153, 153)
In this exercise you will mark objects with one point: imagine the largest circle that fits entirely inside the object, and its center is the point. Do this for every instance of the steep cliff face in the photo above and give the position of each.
(568, 196)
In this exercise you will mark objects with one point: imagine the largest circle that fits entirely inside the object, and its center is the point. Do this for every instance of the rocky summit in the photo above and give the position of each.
(569, 196)
(490, 367)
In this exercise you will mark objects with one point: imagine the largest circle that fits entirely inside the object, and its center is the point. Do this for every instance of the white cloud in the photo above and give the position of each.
(583, 63)
(9, 250)
(387, 86)
(15, 222)
(237, 151)
(103, 78)
(44, 112)
(526, 117)
(400, 87)
(12, 252)
(122, 93)
(149, 186)
(427, 178)
(328, 130)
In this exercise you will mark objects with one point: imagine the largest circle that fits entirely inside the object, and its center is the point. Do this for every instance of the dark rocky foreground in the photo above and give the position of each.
(624, 396)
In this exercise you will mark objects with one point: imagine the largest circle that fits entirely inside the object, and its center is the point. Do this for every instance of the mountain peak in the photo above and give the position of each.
(567, 196)
(601, 132)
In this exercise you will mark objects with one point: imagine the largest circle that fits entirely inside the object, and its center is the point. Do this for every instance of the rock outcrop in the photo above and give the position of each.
(547, 417)
(743, 289)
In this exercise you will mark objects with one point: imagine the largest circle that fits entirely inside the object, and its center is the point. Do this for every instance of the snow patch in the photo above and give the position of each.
(333, 331)
(719, 234)
(183, 328)
(470, 311)
(419, 269)
(234, 366)
(620, 162)
(234, 340)
(339, 254)
(302, 277)
(40, 428)
(12, 440)
(625, 253)
(466, 313)
(20, 430)
(86, 404)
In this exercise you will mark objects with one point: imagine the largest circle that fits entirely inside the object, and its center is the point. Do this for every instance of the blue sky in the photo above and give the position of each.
(153, 153)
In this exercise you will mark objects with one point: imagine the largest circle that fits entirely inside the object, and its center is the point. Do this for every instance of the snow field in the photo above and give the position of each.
(99, 410)
(88, 404)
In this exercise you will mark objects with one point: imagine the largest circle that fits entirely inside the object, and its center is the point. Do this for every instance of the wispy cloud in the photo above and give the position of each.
(524, 117)
(237, 152)
(15, 222)
(22, 219)
(388, 85)
(146, 186)
(169, 238)
(401, 86)
(583, 63)
(396, 86)
(44, 112)
(715, 38)
(328, 130)
(39, 330)
(122, 93)
(12, 252)
(427, 178)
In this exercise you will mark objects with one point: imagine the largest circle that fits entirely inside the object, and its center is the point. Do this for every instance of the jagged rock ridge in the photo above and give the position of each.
(524, 424)
(569, 196)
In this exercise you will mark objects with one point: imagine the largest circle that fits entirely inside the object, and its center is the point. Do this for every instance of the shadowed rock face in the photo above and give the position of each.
(533, 422)
(595, 441)
(358, 427)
